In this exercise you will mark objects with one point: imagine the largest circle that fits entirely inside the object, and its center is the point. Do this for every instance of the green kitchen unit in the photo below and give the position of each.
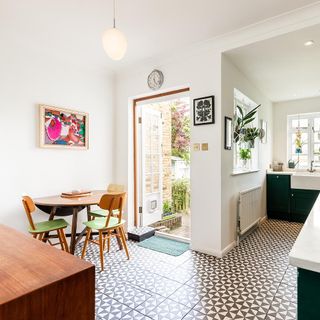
(308, 295)
(305, 256)
(278, 196)
(301, 204)
(285, 203)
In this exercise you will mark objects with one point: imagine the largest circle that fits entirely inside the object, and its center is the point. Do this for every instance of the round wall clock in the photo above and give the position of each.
(155, 79)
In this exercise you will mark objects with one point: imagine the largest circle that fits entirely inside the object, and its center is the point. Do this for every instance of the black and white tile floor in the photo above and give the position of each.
(253, 281)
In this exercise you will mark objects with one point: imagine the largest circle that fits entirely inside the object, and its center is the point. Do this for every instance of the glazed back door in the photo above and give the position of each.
(150, 207)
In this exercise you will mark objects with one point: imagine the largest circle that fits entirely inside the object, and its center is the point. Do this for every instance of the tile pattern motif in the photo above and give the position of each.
(252, 282)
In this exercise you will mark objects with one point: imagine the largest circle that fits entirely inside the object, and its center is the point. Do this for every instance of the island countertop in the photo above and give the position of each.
(305, 252)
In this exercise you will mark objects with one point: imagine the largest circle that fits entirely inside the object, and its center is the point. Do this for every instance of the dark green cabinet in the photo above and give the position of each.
(285, 203)
(278, 196)
(308, 295)
(301, 203)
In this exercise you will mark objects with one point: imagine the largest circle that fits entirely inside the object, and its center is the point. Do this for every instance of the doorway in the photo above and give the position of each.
(162, 147)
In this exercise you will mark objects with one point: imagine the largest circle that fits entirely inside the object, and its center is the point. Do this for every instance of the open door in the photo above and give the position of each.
(150, 165)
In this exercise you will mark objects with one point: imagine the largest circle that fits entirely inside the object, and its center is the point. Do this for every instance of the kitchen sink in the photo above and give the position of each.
(306, 180)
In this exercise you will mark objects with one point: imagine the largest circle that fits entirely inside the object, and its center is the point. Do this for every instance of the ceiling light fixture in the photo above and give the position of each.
(114, 41)
(309, 43)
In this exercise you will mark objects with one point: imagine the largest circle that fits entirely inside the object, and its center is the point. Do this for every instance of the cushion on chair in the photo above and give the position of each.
(50, 225)
(99, 223)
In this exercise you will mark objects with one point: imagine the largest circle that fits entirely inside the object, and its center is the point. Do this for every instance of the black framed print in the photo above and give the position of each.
(227, 133)
(203, 110)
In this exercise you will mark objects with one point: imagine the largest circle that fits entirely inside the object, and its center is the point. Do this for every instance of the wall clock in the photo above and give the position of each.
(155, 79)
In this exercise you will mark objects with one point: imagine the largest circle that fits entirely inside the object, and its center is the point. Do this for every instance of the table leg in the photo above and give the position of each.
(89, 218)
(75, 211)
(52, 214)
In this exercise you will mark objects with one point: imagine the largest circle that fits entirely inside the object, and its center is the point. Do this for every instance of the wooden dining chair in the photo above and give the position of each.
(110, 226)
(39, 230)
(112, 188)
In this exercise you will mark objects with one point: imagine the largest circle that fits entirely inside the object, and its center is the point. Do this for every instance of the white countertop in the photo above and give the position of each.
(305, 252)
(281, 172)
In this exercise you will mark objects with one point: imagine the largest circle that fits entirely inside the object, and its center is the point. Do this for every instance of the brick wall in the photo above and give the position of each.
(165, 109)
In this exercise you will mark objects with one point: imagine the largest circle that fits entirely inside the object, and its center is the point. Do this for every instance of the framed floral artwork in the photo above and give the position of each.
(203, 110)
(63, 128)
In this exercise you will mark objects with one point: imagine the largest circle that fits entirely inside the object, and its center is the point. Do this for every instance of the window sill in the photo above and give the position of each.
(239, 172)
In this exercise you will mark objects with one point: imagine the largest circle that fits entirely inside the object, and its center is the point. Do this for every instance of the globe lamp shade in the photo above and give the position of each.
(114, 43)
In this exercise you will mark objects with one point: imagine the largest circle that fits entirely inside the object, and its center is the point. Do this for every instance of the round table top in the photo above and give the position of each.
(58, 201)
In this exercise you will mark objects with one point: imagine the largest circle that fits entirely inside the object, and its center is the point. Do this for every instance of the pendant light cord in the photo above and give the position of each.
(114, 13)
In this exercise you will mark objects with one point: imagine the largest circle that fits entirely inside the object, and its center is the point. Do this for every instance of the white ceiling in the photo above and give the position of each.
(282, 67)
(71, 29)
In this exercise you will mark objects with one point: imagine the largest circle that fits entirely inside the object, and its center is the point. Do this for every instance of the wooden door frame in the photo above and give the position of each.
(135, 153)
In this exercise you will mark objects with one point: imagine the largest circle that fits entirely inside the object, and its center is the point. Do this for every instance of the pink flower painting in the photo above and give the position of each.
(63, 128)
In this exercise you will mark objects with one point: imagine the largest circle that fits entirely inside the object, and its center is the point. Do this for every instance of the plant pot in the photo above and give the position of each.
(245, 163)
(251, 144)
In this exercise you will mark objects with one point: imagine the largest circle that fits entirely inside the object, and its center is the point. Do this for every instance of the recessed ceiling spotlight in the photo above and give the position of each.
(309, 43)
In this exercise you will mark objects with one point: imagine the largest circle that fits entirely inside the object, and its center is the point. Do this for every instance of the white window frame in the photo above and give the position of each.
(310, 131)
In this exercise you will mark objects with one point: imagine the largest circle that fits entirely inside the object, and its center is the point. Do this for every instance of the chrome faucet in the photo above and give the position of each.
(311, 167)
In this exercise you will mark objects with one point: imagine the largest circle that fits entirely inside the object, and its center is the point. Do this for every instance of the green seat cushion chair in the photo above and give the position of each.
(100, 223)
(101, 213)
(50, 225)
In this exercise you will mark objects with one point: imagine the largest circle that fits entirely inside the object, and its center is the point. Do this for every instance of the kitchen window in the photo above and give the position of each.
(304, 139)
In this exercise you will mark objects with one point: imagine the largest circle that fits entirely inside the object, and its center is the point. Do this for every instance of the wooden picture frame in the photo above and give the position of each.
(63, 128)
(203, 111)
(228, 133)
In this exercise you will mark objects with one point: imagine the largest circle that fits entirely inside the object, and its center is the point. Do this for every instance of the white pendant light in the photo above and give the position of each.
(114, 41)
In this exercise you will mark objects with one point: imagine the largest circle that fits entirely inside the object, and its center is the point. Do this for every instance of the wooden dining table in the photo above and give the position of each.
(61, 206)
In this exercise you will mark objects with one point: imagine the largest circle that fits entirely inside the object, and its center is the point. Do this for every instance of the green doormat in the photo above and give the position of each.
(164, 245)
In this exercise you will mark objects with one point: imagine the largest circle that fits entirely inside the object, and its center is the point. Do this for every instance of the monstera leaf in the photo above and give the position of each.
(240, 122)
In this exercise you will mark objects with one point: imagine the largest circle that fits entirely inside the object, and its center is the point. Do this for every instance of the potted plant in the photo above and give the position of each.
(245, 155)
(250, 135)
(241, 131)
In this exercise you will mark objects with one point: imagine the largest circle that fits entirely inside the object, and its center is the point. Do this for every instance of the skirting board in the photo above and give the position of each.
(263, 218)
(216, 253)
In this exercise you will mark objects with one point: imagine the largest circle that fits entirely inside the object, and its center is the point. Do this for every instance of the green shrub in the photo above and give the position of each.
(166, 207)
(181, 195)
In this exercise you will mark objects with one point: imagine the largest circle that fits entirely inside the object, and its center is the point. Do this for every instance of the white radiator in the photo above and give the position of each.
(249, 210)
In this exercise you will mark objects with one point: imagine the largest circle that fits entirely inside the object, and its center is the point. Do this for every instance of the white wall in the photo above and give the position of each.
(202, 73)
(199, 66)
(280, 112)
(232, 185)
(26, 79)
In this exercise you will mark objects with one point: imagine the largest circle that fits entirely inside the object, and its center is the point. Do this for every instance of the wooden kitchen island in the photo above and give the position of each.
(41, 282)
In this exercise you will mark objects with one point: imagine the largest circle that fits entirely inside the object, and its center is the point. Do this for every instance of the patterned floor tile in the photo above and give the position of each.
(129, 295)
(252, 282)
(195, 315)
(150, 304)
(109, 309)
(188, 296)
(135, 315)
(169, 310)
(281, 309)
